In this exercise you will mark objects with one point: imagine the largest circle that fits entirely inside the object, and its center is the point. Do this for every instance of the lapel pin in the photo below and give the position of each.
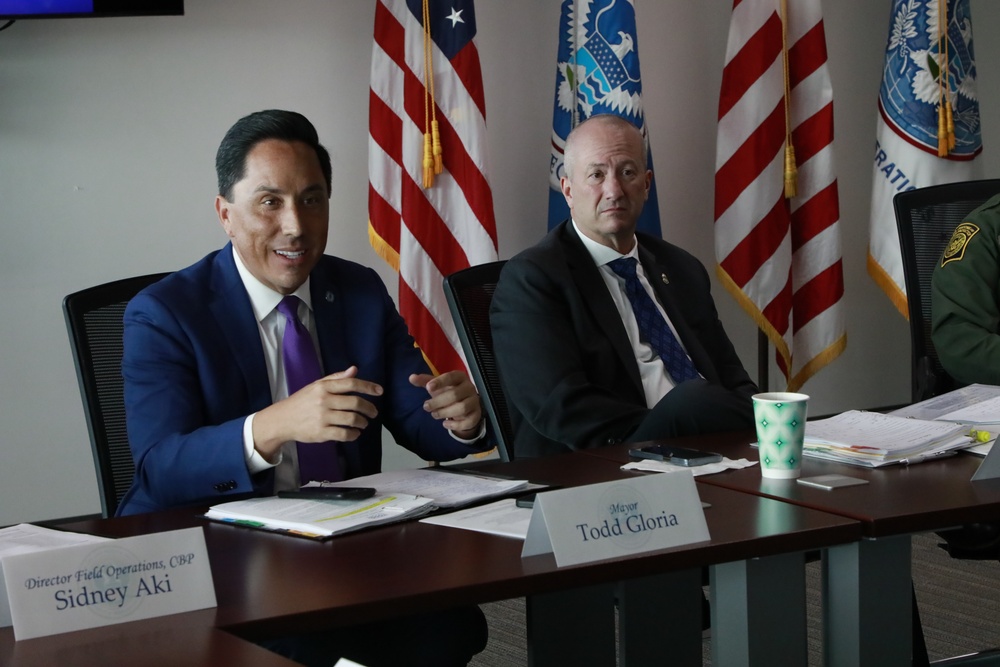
(329, 297)
(663, 277)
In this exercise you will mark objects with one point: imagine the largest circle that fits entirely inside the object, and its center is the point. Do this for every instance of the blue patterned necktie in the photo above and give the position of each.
(318, 461)
(653, 329)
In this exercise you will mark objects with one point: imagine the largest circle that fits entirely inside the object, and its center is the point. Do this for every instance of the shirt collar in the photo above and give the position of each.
(263, 299)
(602, 254)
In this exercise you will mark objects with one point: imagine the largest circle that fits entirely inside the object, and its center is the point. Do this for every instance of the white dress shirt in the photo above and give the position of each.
(656, 382)
(271, 325)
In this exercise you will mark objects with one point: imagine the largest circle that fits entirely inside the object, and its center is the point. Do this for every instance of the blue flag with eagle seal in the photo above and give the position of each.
(929, 70)
(919, 52)
(597, 72)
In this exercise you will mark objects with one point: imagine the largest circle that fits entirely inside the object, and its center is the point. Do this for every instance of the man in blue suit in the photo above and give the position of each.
(208, 411)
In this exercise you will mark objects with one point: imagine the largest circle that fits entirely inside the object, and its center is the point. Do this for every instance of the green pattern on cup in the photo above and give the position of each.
(781, 425)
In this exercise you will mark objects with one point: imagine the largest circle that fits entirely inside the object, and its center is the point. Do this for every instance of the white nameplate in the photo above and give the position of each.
(599, 521)
(86, 586)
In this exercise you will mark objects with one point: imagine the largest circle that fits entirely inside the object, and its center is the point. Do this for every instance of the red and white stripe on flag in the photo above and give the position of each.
(780, 258)
(428, 234)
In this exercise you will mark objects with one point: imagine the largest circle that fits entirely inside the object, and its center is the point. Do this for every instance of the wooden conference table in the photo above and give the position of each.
(268, 585)
(867, 587)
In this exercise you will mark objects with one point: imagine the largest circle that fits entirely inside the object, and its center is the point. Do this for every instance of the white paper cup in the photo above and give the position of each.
(781, 426)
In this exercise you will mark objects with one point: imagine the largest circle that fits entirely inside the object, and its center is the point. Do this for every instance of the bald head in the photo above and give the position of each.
(591, 125)
(606, 182)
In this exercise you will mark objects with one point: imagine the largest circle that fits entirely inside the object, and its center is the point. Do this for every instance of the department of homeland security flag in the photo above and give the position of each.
(777, 213)
(928, 58)
(428, 223)
(597, 72)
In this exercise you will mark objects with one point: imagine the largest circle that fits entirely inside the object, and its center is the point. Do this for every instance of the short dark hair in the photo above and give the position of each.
(247, 132)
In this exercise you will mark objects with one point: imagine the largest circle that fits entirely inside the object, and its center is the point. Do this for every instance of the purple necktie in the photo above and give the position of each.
(317, 460)
(652, 327)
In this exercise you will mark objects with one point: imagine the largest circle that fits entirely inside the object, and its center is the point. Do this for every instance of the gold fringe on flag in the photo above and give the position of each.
(438, 160)
(946, 125)
(433, 162)
(428, 162)
(791, 169)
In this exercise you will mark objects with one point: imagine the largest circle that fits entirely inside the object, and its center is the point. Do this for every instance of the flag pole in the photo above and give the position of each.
(762, 359)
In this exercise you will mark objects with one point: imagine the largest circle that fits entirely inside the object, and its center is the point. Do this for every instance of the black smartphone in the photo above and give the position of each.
(527, 501)
(330, 493)
(677, 455)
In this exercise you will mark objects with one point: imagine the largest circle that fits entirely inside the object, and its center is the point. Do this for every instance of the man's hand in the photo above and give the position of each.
(331, 408)
(453, 399)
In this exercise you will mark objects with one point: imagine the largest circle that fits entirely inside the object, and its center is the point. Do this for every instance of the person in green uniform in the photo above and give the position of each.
(965, 329)
(965, 299)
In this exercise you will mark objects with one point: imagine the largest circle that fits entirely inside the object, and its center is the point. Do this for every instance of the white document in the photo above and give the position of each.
(320, 518)
(27, 538)
(613, 519)
(983, 412)
(981, 450)
(652, 465)
(980, 403)
(446, 489)
(874, 439)
(502, 517)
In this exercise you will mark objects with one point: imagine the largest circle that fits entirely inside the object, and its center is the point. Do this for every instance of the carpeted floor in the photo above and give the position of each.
(959, 607)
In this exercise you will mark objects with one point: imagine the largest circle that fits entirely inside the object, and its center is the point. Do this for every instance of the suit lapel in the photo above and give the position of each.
(230, 305)
(589, 282)
(329, 305)
(328, 309)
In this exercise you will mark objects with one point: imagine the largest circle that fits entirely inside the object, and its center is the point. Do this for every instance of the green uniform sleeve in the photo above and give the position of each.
(965, 315)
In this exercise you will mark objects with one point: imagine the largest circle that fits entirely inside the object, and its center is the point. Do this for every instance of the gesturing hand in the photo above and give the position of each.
(331, 408)
(454, 399)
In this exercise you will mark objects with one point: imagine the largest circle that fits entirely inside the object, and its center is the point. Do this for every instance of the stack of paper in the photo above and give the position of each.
(320, 518)
(27, 538)
(445, 487)
(976, 404)
(873, 439)
(401, 495)
(502, 517)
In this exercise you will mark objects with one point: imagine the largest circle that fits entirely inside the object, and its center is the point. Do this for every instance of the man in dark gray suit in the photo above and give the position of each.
(580, 364)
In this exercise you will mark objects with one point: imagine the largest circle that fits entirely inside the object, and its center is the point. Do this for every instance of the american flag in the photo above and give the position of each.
(780, 258)
(427, 231)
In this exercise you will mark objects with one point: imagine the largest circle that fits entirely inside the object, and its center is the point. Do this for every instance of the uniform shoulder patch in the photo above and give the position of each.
(955, 250)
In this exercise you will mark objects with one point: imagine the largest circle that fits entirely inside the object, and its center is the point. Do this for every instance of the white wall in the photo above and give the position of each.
(108, 130)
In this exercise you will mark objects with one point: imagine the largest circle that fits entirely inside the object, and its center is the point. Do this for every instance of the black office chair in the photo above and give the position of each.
(94, 321)
(470, 293)
(925, 219)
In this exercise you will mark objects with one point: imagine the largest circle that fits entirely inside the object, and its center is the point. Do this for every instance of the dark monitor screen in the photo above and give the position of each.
(40, 9)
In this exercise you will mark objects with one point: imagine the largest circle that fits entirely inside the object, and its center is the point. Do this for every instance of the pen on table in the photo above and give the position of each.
(925, 457)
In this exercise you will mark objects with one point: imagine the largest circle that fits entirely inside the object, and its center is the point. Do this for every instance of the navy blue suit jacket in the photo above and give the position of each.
(194, 370)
